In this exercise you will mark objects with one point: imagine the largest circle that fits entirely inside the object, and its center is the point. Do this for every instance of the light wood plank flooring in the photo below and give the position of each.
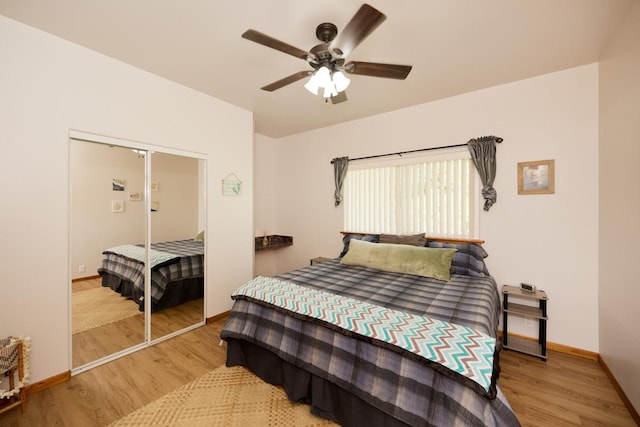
(564, 391)
(99, 342)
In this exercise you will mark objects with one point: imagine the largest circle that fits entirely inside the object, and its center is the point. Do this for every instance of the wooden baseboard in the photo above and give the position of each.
(585, 354)
(621, 393)
(80, 279)
(48, 382)
(217, 317)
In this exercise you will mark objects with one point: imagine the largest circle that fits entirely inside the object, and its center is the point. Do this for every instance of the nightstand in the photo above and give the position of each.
(523, 309)
(319, 260)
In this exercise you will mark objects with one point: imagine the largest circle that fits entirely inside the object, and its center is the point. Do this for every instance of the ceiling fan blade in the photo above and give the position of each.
(340, 97)
(361, 25)
(375, 69)
(265, 40)
(287, 80)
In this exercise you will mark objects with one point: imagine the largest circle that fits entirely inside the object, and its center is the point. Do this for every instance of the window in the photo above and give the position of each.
(435, 195)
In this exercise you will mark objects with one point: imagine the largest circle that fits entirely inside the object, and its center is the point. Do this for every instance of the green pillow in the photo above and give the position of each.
(408, 259)
(200, 236)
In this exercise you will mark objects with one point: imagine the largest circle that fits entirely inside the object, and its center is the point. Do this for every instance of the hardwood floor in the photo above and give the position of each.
(564, 391)
(102, 341)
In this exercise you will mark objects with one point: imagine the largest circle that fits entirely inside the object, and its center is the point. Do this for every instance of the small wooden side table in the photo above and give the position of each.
(538, 311)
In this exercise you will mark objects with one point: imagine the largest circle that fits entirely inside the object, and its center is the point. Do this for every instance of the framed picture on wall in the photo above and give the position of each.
(117, 184)
(537, 177)
(135, 196)
(117, 206)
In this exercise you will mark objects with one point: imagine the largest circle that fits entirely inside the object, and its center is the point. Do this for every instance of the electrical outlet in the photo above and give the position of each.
(528, 321)
(81, 269)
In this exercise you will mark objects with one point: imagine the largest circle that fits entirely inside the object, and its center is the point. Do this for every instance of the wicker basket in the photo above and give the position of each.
(14, 370)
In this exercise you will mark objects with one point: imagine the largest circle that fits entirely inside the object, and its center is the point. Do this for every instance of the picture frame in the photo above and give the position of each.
(536, 177)
(136, 196)
(231, 186)
(117, 184)
(117, 206)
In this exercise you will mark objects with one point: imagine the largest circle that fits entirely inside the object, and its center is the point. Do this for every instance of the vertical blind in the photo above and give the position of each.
(433, 197)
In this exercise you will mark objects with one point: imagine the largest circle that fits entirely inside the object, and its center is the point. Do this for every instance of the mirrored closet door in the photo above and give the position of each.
(175, 217)
(136, 213)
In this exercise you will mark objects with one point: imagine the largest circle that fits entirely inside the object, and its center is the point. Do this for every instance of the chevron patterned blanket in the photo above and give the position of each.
(458, 348)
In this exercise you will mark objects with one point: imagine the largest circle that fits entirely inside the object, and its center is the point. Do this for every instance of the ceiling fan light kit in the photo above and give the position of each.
(328, 58)
(332, 82)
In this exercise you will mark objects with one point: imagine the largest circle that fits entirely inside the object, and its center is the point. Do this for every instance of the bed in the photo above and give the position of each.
(358, 378)
(177, 272)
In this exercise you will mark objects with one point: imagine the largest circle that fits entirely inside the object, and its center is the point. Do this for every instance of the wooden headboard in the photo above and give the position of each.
(437, 239)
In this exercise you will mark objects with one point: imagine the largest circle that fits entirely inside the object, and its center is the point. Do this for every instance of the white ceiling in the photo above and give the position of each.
(455, 46)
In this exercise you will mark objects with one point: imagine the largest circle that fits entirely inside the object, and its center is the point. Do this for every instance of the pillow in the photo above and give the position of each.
(373, 238)
(408, 259)
(468, 260)
(200, 236)
(415, 239)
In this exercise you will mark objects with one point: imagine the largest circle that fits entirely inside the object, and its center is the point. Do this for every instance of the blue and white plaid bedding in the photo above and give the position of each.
(455, 347)
(186, 261)
(415, 392)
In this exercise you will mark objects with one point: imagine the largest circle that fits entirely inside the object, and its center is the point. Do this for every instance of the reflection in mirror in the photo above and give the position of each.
(107, 211)
(177, 238)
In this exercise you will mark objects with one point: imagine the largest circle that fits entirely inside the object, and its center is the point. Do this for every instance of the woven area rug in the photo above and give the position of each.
(97, 307)
(225, 397)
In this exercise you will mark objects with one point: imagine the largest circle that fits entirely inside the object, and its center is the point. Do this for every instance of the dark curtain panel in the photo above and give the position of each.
(340, 165)
(483, 154)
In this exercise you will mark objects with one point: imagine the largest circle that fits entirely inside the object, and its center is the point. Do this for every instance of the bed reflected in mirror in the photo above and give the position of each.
(122, 198)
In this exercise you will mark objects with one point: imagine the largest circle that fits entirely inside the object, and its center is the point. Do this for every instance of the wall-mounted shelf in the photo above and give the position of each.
(273, 241)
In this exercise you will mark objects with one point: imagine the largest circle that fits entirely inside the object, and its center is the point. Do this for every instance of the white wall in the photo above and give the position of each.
(50, 86)
(265, 221)
(549, 240)
(619, 206)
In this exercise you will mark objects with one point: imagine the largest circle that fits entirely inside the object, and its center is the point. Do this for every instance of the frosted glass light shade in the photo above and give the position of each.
(320, 79)
(341, 81)
(323, 79)
(313, 84)
(330, 90)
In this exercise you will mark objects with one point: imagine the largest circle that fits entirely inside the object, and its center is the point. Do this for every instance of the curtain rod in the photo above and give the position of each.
(400, 153)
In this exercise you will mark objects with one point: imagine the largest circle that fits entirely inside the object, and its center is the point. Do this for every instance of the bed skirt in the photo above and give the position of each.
(177, 292)
(326, 399)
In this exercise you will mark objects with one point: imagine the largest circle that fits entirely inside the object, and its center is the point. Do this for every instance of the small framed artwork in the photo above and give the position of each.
(231, 185)
(135, 196)
(154, 185)
(155, 206)
(537, 177)
(117, 206)
(117, 184)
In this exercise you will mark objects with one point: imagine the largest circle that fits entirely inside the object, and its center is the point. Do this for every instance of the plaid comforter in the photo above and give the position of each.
(404, 387)
(188, 263)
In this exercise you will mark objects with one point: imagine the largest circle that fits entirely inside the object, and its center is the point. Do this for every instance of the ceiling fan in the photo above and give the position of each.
(328, 59)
